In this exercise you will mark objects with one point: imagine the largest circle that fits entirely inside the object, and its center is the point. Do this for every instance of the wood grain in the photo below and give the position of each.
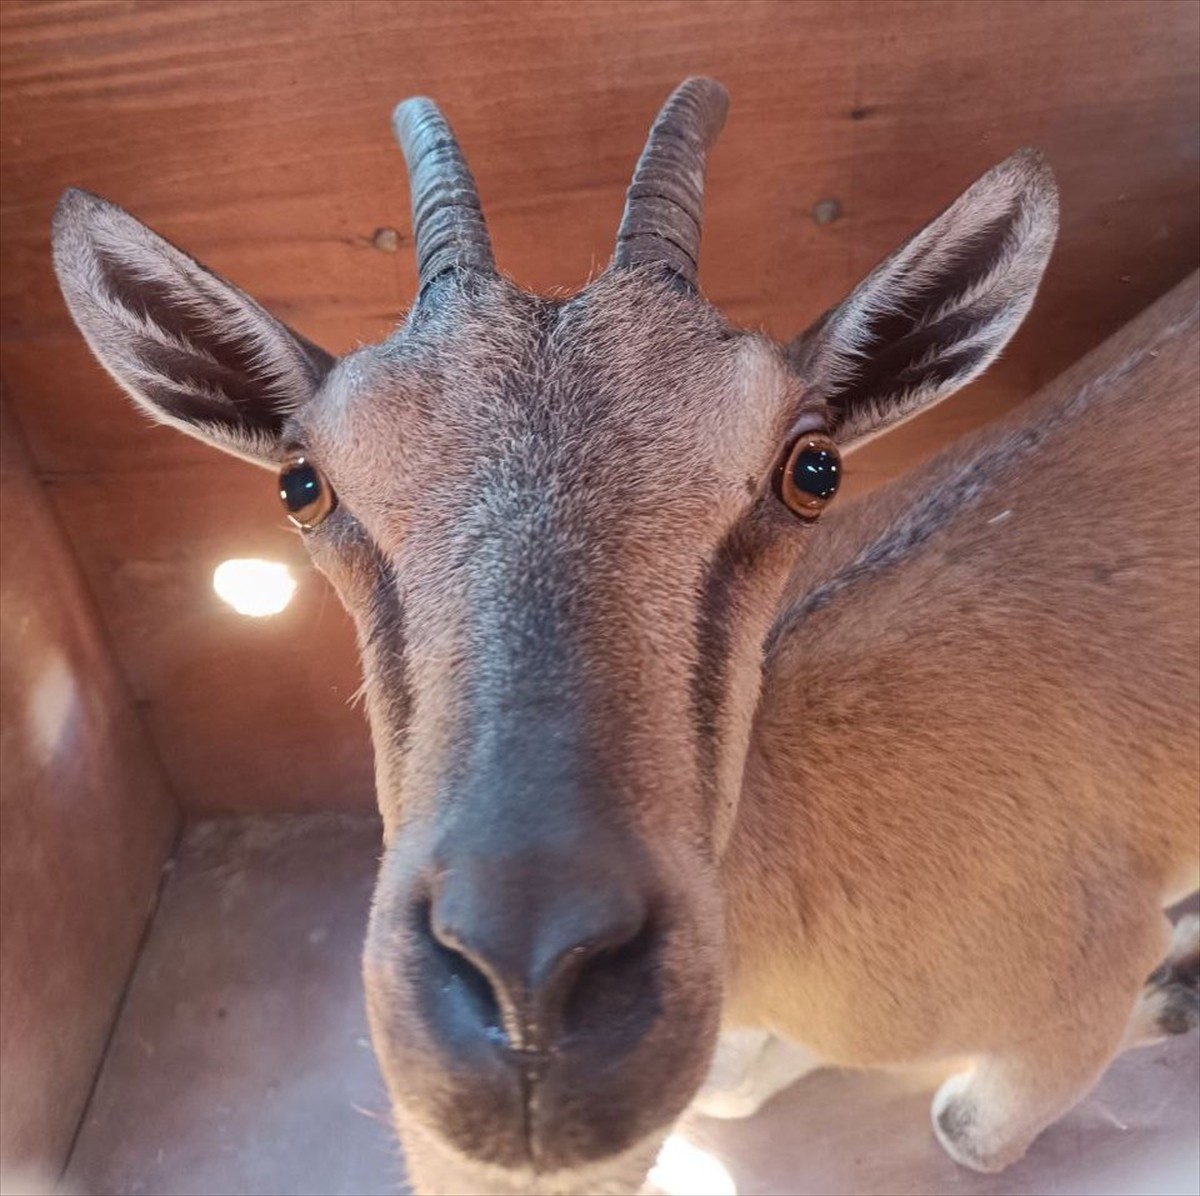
(86, 823)
(256, 135)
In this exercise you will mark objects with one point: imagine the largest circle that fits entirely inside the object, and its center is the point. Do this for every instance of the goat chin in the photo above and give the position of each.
(434, 1169)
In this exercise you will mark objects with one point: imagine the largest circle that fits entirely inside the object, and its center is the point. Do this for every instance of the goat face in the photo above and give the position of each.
(558, 532)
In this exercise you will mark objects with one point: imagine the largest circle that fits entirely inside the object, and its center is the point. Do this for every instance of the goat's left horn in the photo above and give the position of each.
(666, 198)
(448, 225)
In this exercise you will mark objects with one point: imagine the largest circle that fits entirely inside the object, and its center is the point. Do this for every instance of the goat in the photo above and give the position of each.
(660, 750)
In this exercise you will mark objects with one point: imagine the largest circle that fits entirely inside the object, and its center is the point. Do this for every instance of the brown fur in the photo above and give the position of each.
(972, 785)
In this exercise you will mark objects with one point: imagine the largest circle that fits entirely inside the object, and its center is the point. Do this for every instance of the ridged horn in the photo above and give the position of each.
(448, 225)
(665, 201)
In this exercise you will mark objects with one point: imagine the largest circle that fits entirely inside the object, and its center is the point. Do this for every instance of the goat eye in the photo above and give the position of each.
(305, 493)
(811, 474)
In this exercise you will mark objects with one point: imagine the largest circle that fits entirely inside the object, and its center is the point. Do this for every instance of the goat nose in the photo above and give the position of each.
(521, 937)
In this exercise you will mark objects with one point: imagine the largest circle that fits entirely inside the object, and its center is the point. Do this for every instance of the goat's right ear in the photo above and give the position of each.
(192, 349)
(939, 310)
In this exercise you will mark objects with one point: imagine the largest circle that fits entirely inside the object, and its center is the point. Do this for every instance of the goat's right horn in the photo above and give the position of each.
(666, 198)
(448, 225)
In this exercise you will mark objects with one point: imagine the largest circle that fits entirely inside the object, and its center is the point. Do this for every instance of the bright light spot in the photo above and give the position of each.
(254, 587)
(685, 1170)
(52, 705)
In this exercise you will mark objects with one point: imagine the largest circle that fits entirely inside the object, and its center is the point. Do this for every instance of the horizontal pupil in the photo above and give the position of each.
(299, 487)
(816, 472)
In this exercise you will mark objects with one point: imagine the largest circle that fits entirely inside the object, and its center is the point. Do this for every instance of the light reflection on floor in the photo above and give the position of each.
(683, 1169)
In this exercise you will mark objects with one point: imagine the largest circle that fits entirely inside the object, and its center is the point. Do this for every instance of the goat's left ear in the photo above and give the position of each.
(938, 311)
(190, 348)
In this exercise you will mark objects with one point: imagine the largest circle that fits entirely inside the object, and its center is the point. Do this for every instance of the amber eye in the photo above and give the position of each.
(305, 493)
(810, 475)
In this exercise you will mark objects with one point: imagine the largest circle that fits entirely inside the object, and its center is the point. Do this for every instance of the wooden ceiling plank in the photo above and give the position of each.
(255, 135)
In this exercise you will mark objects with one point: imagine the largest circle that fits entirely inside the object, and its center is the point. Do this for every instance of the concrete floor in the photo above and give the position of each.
(240, 1064)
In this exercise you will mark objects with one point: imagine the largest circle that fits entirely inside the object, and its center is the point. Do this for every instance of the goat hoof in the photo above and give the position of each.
(961, 1128)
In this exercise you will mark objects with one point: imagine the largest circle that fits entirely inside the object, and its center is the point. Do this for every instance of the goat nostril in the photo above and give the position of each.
(611, 984)
(460, 973)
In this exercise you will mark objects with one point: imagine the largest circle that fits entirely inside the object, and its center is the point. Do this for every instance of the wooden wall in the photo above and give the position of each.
(86, 823)
(256, 135)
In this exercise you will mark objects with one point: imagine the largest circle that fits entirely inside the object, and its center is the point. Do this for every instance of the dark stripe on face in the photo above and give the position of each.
(383, 650)
(720, 587)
